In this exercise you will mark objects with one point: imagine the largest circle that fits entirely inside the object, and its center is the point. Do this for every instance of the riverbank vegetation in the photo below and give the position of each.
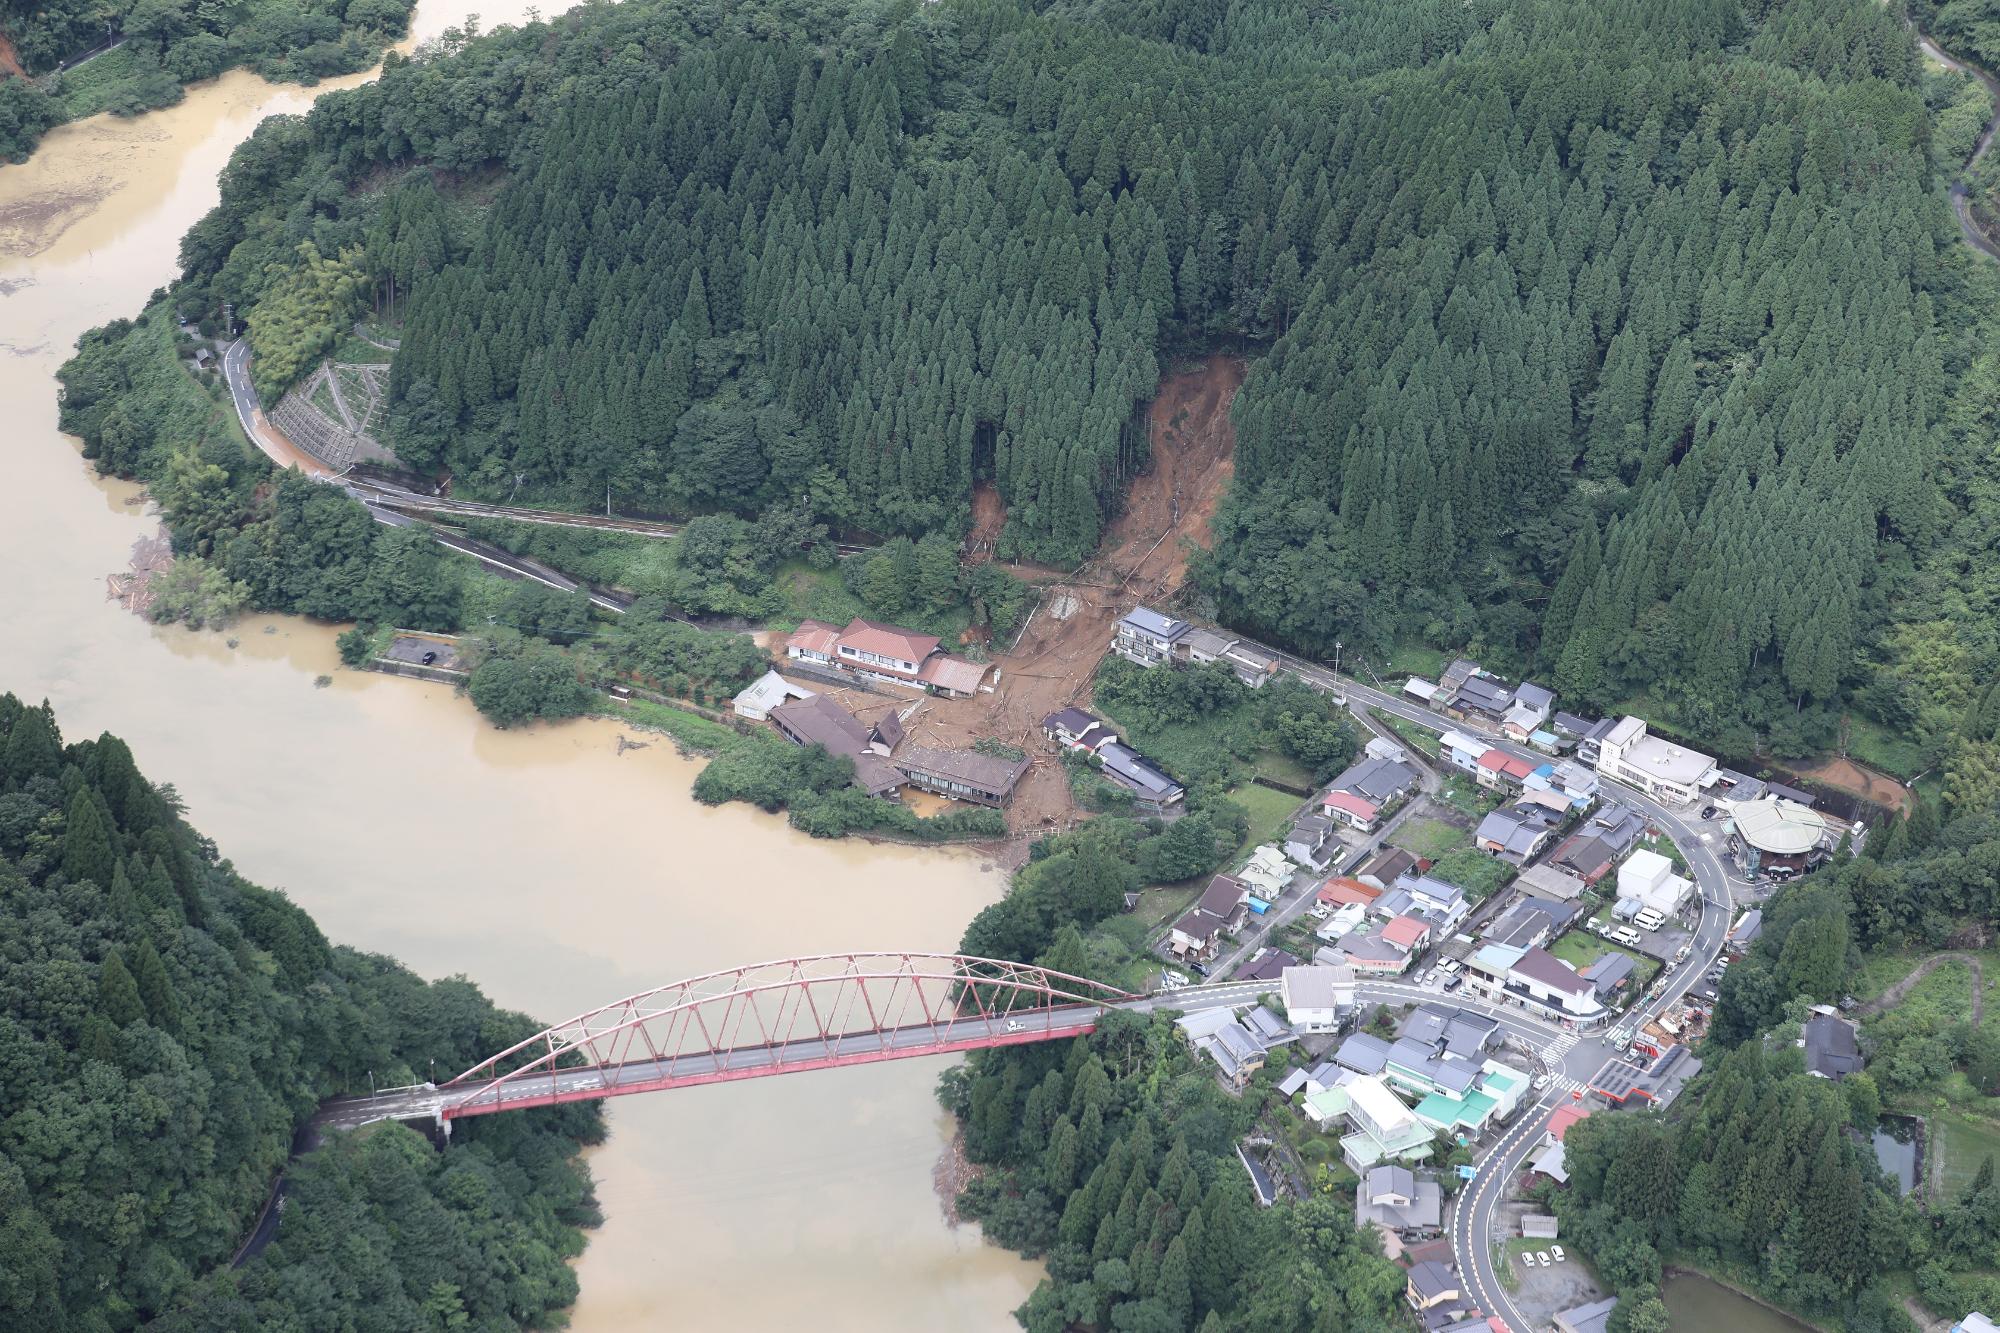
(164, 45)
(167, 1026)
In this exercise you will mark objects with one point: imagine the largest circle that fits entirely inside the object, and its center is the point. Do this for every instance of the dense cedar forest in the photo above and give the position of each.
(165, 1027)
(1632, 346)
(165, 45)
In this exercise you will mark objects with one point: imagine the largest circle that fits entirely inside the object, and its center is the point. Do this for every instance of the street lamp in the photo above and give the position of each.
(1336, 657)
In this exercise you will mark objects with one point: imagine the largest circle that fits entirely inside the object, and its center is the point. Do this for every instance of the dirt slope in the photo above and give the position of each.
(1143, 556)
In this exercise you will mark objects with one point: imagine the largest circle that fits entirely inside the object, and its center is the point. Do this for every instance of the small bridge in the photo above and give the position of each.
(783, 1017)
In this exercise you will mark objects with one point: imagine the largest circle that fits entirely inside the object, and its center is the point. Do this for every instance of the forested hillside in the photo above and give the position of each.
(166, 1026)
(167, 44)
(1630, 345)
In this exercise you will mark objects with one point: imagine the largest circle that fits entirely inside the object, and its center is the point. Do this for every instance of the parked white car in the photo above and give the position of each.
(1557, 1251)
(1448, 966)
(1542, 1258)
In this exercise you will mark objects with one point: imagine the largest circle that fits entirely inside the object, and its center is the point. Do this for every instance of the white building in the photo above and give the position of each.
(763, 694)
(1649, 879)
(1315, 996)
(1661, 769)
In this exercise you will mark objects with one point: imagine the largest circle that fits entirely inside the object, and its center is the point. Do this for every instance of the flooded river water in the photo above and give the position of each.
(552, 869)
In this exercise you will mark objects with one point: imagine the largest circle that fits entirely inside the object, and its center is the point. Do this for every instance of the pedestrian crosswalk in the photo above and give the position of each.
(1558, 1046)
(1564, 1083)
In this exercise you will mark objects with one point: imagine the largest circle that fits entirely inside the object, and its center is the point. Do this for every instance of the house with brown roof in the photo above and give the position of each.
(818, 720)
(887, 653)
(1220, 910)
(963, 775)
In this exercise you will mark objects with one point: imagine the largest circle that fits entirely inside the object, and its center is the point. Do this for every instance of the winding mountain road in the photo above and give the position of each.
(1961, 201)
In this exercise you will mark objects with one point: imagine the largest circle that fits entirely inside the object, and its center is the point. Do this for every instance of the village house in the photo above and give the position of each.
(1443, 905)
(1152, 790)
(763, 694)
(1307, 841)
(1576, 785)
(1661, 769)
(1386, 866)
(1316, 997)
(884, 763)
(1431, 1285)
(1500, 771)
(1344, 920)
(1147, 637)
(818, 720)
(1609, 974)
(1074, 729)
(1267, 964)
(1832, 1052)
(963, 775)
(1399, 1200)
(1530, 709)
(1382, 1129)
(885, 653)
(1237, 1047)
(1551, 1160)
(1462, 751)
(1597, 844)
(1746, 931)
(1361, 794)
(1267, 874)
(1465, 691)
(1533, 979)
(1648, 879)
(1592, 1318)
(1550, 883)
(1220, 911)
(1528, 922)
(1342, 891)
(1371, 952)
(1514, 833)
(1408, 933)
(1251, 664)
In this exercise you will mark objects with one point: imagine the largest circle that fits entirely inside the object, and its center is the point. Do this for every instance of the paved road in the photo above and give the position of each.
(1302, 893)
(1961, 203)
(1474, 1212)
(236, 373)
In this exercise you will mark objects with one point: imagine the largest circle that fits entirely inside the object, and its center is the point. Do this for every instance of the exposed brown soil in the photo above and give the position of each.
(1143, 557)
(1844, 773)
(989, 515)
(9, 62)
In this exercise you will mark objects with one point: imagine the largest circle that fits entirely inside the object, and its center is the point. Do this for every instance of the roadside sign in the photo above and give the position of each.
(1467, 1172)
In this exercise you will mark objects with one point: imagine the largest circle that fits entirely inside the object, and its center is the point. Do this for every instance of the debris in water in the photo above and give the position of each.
(321, 682)
(624, 744)
(132, 588)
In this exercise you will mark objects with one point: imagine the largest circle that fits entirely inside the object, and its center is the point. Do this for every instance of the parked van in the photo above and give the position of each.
(1626, 936)
(1649, 920)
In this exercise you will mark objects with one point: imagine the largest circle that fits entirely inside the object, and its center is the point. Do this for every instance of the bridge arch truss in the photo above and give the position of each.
(782, 1017)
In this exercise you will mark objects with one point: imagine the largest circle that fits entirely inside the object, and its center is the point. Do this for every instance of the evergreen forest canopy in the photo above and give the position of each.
(1631, 345)
(165, 1027)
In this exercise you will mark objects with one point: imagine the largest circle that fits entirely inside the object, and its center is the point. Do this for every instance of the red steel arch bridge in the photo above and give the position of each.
(784, 1017)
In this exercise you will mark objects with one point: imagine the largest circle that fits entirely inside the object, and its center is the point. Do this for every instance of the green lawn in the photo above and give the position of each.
(1414, 659)
(1283, 768)
(690, 731)
(1665, 847)
(1580, 948)
(1421, 739)
(1270, 810)
(1880, 747)
(1479, 874)
(1430, 838)
(1467, 797)
(1965, 1142)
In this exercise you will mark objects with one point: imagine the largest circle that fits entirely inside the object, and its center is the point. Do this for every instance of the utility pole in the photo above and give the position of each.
(1336, 657)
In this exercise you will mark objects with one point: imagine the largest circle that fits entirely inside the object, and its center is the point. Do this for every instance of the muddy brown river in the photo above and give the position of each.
(552, 869)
